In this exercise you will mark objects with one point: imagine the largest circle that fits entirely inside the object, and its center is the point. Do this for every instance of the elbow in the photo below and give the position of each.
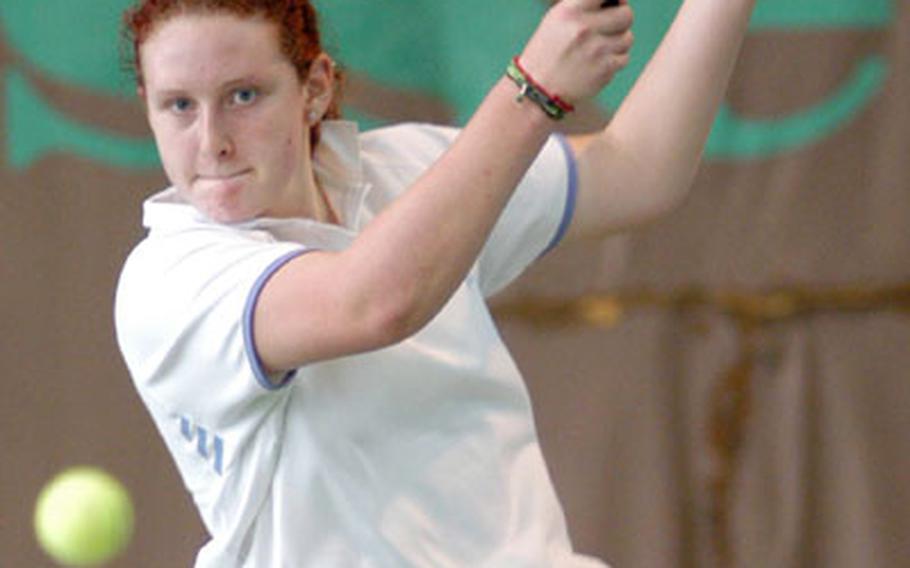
(674, 179)
(664, 190)
(670, 197)
(396, 323)
(395, 316)
(638, 188)
(384, 304)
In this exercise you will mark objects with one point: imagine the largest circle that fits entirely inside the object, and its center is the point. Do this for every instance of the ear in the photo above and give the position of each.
(319, 86)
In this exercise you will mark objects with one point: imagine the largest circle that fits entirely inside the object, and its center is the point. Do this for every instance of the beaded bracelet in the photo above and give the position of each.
(552, 105)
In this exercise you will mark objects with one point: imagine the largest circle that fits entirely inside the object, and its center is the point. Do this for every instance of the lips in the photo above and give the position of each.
(223, 177)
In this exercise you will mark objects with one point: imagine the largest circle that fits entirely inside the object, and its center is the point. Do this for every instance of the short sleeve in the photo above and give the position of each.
(184, 320)
(535, 219)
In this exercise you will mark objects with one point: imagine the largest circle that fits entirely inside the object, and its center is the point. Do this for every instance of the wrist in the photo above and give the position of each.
(522, 114)
(552, 105)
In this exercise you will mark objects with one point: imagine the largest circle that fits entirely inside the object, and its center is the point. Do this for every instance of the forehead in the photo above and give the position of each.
(198, 49)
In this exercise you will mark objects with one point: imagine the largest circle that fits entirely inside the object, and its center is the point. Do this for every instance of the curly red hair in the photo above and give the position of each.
(297, 22)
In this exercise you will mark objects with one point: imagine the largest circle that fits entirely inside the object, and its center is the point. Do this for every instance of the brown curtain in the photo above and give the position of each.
(731, 386)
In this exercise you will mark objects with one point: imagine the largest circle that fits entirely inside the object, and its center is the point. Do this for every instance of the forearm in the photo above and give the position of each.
(421, 248)
(424, 245)
(656, 139)
(403, 267)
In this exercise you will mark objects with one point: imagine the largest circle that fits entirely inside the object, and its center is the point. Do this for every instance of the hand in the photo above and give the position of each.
(578, 48)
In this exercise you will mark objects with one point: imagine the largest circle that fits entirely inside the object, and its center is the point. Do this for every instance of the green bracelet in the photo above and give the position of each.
(552, 105)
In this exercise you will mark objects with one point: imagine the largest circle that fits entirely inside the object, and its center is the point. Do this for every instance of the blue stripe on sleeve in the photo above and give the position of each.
(261, 376)
(569, 210)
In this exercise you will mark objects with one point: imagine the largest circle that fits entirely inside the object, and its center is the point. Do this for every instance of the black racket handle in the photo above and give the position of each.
(609, 3)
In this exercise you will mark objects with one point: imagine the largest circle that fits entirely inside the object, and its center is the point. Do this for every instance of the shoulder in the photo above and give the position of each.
(171, 273)
(165, 254)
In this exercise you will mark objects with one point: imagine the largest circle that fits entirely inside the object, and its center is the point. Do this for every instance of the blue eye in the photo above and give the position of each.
(245, 96)
(181, 105)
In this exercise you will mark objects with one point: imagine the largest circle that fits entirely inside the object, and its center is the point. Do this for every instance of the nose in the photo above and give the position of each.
(215, 141)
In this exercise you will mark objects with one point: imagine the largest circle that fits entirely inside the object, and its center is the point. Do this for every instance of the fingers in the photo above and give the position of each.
(591, 16)
(590, 4)
(612, 21)
(615, 20)
(613, 27)
(621, 44)
(579, 46)
(608, 33)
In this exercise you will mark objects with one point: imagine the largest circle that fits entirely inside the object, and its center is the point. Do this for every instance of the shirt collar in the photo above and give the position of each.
(338, 169)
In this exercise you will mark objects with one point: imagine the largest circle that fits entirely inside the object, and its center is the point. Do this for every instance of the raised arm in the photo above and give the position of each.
(406, 264)
(642, 164)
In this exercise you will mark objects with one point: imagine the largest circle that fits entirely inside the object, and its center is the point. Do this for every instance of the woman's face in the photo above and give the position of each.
(228, 113)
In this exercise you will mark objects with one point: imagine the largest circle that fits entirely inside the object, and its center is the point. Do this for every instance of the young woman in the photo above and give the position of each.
(306, 320)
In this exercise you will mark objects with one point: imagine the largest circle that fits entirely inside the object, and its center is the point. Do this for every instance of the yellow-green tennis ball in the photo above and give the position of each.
(83, 517)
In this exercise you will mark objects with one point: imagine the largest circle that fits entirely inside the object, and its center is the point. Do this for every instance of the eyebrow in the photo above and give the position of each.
(226, 86)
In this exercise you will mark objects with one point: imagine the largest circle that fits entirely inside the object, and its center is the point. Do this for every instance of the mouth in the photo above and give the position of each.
(223, 177)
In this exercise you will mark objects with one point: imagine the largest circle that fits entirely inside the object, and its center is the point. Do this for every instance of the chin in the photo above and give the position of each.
(224, 206)
(230, 216)
(225, 212)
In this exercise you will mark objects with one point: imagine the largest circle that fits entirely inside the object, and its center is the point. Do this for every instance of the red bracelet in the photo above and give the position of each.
(566, 107)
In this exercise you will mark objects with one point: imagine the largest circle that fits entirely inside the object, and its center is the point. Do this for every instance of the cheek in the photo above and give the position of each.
(289, 151)
(174, 161)
(174, 152)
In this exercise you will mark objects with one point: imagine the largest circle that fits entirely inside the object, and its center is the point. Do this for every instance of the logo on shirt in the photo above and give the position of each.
(209, 446)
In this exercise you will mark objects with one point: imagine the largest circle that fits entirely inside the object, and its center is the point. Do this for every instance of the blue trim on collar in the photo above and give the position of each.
(571, 193)
(248, 339)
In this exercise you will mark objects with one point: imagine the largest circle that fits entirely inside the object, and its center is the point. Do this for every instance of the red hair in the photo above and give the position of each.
(296, 20)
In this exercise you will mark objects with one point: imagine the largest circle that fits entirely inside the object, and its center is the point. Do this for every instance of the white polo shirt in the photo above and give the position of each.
(423, 454)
